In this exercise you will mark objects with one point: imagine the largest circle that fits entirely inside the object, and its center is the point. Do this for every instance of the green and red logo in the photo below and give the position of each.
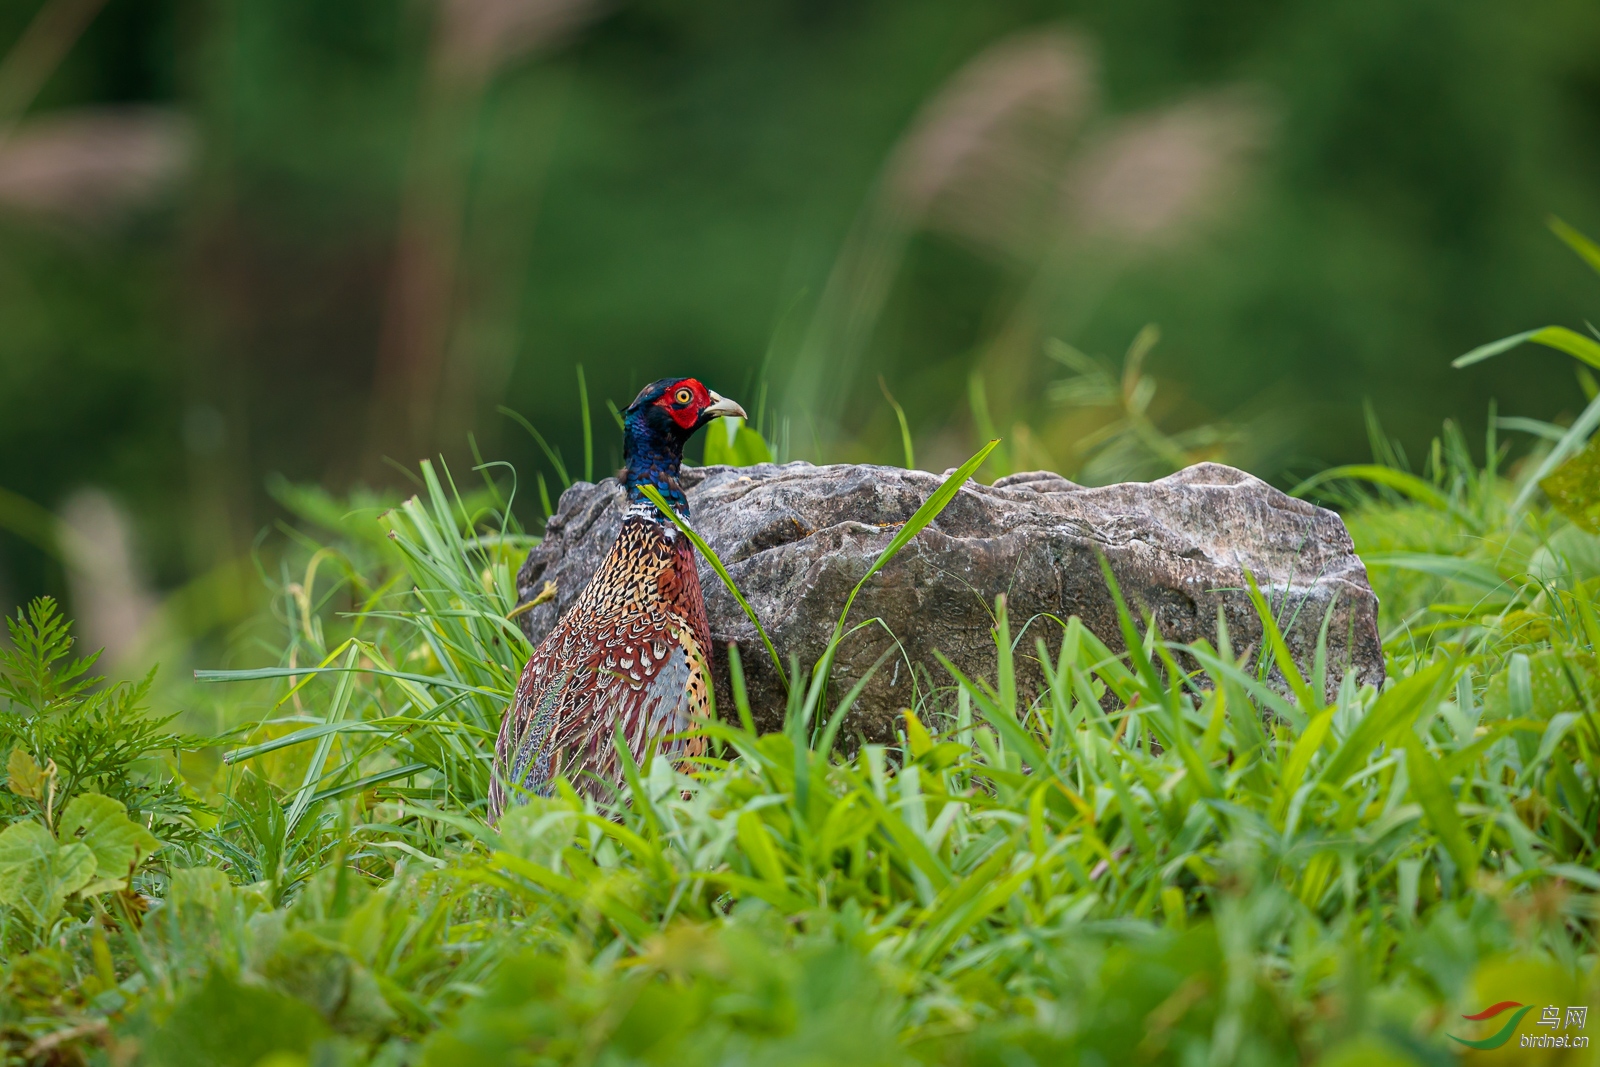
(1501, 1036)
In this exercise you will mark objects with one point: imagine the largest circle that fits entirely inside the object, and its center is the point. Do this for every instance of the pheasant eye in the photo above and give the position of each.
(684, 396)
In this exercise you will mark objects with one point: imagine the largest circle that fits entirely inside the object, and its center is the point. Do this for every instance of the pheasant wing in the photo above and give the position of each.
(586, 679)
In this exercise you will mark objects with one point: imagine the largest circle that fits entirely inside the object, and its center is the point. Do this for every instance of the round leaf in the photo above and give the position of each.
(119, 844)
(36, 873)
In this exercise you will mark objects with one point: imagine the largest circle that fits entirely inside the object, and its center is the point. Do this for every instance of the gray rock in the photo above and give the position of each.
(797, 538)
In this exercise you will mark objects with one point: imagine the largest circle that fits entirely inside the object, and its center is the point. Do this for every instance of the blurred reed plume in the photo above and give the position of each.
(1012, 160)
(979, 162)
(86, 164)
(477, 37)
(1151, 176)
(983, 160)
(110, 592)
(89, 165)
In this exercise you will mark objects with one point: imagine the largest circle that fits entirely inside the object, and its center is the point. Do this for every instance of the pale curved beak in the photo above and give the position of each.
(721, 405)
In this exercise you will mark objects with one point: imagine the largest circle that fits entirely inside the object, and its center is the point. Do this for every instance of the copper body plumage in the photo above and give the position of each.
(632, 652)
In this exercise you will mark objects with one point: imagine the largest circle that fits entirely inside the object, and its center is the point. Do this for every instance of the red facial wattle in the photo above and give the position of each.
(686, 415)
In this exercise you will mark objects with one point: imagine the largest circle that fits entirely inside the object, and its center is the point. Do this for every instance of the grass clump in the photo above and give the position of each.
(1143, 864)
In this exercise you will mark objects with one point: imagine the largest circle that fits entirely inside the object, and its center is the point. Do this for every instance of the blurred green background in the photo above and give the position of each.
(241, 239)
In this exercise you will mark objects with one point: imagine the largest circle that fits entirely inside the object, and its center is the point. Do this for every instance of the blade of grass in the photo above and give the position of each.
(1389, 718)
(1586, 249)
(905, 426)
(1428, 785)
(929, 511)
(341, 700)
(1308, 701)
(1418, 489)
(1467, 571)
(588, 429)
(549, 453)
(29, 521)
(712, 558)
(1557, 337)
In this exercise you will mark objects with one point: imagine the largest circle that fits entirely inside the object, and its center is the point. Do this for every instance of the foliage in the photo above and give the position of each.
(1158, 856)
(1574, 488)
(95, 848)
(1180, 867)
(1477, 563)
(1565, 471)
(66, 734)
(1128, 445)
(736, 444)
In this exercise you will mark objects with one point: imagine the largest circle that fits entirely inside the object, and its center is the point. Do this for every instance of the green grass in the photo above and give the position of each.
(1208, 872)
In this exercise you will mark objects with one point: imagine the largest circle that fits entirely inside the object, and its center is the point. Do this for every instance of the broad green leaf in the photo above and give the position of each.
(1539, 686)
(626, 920)
(757, 845)
(1391, 715)
(731, 442)
(1432, 792)
(538, 830)
(1585, 424)
(916, 734)
(1316, 732)
(226, 1023)
(322, 973)
(119, 844)
(36, 873)
(199, 888)
(1574, 487)
(1554, 732)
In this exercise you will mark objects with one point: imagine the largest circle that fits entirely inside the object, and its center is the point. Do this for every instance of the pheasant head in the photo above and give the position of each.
(655, 428)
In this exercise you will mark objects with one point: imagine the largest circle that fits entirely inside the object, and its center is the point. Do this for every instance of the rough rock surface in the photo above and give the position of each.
(797, 537)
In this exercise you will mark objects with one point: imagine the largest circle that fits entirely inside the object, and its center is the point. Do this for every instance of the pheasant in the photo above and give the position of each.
(632, 650)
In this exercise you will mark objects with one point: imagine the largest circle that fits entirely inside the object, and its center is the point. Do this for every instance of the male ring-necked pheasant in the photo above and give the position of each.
(633, 650)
